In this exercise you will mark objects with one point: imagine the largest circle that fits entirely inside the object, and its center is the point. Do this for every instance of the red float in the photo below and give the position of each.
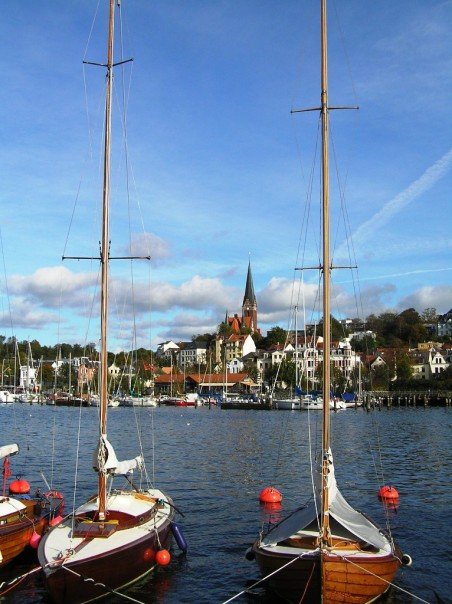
(34, 540)
(163, 557)
(56, 520)
(270, 495)
(19, 487)
(388, 493)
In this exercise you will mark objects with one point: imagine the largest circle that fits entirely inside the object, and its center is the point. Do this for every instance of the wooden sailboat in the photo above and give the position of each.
(327, 551)
(23, 517)
(116, 536)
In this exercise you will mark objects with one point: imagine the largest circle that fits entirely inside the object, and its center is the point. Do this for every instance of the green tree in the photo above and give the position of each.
(275, 335)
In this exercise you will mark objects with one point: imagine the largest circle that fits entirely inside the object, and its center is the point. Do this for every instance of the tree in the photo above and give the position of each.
(429, 315)
(338, 331)
(275, 335)
(379, 377)
(366, 344)
(224, 329)
(404, 368)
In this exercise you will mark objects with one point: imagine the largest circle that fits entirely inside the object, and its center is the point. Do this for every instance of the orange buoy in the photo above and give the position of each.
(270, 495)
(163, 557)
(34, 540)
(56, 520)
(388, 493)
(19, 487)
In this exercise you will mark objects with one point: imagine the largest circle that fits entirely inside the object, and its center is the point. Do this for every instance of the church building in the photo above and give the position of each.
(248, 320)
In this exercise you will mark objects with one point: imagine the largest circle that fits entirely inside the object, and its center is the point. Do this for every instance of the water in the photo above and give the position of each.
(214, 463)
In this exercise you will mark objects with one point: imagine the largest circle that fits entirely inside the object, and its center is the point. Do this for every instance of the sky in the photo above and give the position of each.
(219, 168)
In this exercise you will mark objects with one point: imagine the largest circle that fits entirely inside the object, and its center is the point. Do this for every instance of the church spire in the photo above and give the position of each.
(249, 289)
(249, 306)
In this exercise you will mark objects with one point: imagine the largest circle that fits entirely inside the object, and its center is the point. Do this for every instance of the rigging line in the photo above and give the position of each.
(79, 431)
(379, 449)
(344, 49)
(93, 21)
(6, 284)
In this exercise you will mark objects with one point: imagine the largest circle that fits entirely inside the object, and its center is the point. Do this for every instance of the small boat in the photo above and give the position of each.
(23, 517)
(6, 396)
(119, 534)
(287, 404)
(326, 551)
(316, 404)
(137, 401)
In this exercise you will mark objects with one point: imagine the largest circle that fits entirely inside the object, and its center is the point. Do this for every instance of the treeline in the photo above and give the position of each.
(395, 330)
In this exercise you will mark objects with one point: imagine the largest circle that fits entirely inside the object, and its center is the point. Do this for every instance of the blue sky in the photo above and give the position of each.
(220, 166)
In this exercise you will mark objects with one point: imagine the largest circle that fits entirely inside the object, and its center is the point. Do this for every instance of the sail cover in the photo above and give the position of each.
(105, 460)
(8, 450)
(350, 519)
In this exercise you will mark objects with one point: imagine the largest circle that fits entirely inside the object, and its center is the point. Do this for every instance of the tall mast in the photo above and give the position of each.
(104, 258)
(325, 536)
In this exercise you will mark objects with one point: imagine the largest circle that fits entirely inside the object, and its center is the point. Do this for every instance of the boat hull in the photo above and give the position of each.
(327, 577)
(16, 531)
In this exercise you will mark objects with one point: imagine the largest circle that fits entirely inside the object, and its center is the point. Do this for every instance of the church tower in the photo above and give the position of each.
(249, 306)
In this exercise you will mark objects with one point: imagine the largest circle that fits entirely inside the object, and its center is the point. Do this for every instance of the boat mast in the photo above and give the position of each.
(104, 259)
(325, 528)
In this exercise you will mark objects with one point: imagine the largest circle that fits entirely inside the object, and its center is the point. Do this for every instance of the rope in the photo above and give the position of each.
(339, 556)
(102, 585)
(267, 577)
(14, 582)
(366, 570)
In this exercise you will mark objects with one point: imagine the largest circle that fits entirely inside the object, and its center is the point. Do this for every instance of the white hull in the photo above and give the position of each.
(140, 401)
(288, 404)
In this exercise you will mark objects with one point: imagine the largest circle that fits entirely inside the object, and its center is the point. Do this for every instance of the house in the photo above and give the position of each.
(444, 324)
(167, 349)
(238, 346)
(428, 363)
(191, 353)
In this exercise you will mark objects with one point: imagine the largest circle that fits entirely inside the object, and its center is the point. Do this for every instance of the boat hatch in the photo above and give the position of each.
(88, 529)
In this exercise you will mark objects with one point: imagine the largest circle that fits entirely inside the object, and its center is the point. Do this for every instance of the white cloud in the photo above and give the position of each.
(52, 286)
(148, 244)
(439, 297)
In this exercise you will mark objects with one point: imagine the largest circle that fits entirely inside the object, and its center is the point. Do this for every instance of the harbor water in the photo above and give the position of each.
(214, 463)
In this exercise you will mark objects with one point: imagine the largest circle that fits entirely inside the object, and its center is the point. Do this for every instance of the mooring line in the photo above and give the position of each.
(102, 585)
(275, 572)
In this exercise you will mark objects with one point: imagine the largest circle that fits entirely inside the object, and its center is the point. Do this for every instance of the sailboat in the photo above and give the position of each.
(23, 517)
(118, 535)
(327, 551)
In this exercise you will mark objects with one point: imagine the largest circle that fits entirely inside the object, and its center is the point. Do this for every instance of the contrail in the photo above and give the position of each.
(420, 271)
(419, 186)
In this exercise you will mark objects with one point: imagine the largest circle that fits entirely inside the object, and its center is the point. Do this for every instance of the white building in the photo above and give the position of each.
(166, 349)
(191, 353)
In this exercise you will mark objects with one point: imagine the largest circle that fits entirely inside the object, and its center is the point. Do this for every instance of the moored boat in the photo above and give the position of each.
(23, 517)
(326, 551)
(119, 534)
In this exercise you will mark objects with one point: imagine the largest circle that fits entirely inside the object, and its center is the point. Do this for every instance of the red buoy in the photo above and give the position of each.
(388, 493)
(56, 520)
(163, 557)
(34, 540)
(270, 495)
(19, 487)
